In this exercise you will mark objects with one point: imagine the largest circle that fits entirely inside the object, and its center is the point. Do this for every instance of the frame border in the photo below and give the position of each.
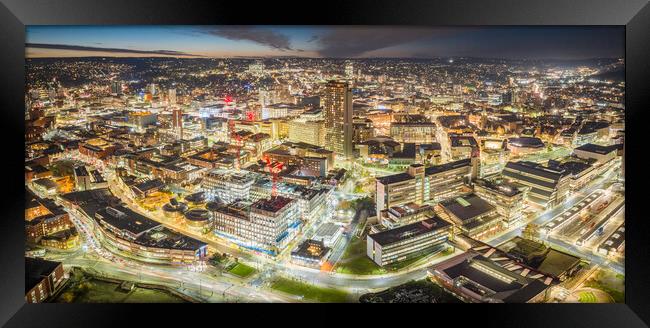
(634, 14)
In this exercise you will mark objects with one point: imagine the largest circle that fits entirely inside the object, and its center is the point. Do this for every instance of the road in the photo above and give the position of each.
(598, 183)
(194, 282)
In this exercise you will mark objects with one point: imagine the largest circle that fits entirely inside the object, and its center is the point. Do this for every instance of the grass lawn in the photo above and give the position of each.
(98, 291)
(362, 265)
(241, 270)
(587, 297)
(355, 261)
(609, 282)
(310, 292)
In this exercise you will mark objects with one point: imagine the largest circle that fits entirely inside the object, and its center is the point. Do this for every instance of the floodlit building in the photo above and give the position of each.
(419, 184)
(408, 241)
(43, 279)
(311, 253)
(548, 187)
(486, 275)
(227, 187)
(471, 215)
(602, 154)
(123, 230)
(266, 225)
(507, 198)
(416, 129)
(400, 215)
(311, 132)
(337, 112)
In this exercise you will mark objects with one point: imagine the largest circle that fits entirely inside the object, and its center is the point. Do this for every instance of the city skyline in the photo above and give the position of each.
(309, 179)
(568, 43)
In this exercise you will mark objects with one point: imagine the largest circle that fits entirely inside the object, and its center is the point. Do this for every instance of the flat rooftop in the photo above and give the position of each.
(493, 275)
(409, 231)
(36, 269)
(162, 237)
(123, 218)
(447, 166)
(311, 249)
(395, 178)
(529, 142)
(273, 204)
(467, 207)
(597, 149)
(504, 188)
(536, 169)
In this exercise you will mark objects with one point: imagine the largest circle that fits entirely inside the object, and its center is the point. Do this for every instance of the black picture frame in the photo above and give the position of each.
(633, 14)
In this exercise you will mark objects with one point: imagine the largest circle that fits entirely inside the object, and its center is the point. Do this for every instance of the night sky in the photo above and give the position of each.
(327, 41)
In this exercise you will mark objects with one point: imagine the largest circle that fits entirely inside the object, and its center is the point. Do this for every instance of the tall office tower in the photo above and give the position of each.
(177, 122)
(172, 96)
(337, 109)
(116, 88)
(349, 70)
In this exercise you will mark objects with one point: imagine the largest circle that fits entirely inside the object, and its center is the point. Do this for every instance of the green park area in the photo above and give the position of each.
(609, 282)
(310, 292)
(355, 261)
(86, 289)
(241, 270)
(417, 291)
(587, 297)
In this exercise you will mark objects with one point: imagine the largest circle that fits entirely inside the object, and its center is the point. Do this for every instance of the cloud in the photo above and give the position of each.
(355, 41)
(261, 36)
(111, 50)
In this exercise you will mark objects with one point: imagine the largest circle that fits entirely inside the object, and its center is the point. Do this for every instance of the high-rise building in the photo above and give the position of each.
(349, 70)
(116, 88)
(337, 108)
(177, 122)
(172, 96)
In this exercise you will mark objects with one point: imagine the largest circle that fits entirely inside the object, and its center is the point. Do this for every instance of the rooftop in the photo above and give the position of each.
(535, 169)
(388, 237)
(598, 149)
(467, 207)
(395, 178)
(123, 218)
(37, 269)
(504, 188)
(162, 237)
(273, 204)
(311, 249)
(447, 166)
(529, 142)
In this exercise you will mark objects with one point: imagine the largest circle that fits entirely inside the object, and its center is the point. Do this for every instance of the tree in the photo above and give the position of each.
(531, 231)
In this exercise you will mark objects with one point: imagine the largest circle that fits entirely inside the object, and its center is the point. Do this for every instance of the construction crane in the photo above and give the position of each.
(234, 135)
(274, 169)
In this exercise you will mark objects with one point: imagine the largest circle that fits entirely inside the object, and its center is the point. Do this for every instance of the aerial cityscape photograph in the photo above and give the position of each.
(324, 164)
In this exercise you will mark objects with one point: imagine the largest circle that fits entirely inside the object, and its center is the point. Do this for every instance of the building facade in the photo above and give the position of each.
(337, 110)
(407, 241)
